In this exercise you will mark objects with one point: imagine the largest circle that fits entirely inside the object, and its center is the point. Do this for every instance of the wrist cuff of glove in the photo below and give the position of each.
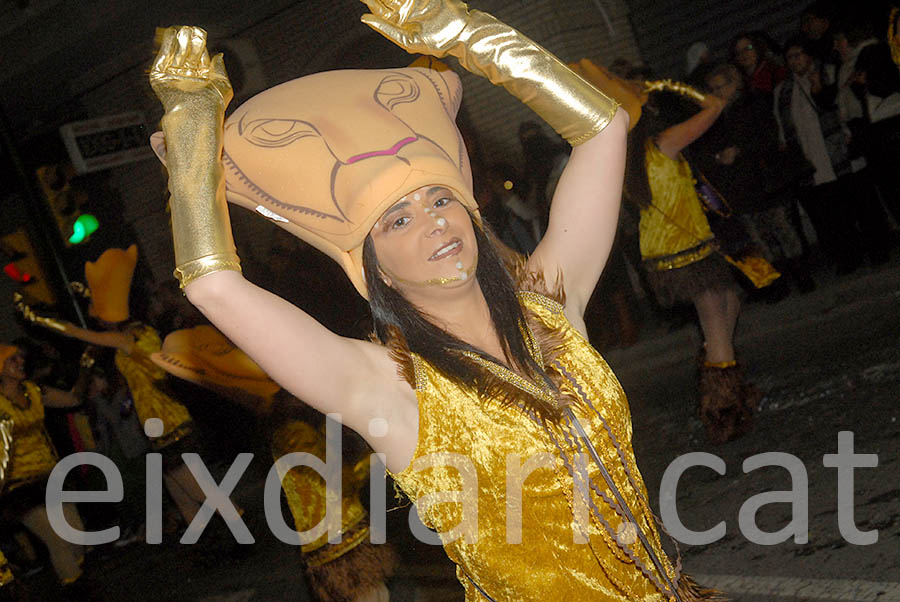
(196, 268)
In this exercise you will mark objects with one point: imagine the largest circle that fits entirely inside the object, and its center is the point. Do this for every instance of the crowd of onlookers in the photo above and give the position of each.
(802, 155)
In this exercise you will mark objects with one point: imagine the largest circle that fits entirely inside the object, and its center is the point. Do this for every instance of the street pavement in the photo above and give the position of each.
(827, 362)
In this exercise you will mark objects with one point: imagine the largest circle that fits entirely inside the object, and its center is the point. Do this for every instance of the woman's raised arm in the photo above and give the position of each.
(584, 215)
(109, 338)
(674, 139)
(333, 374)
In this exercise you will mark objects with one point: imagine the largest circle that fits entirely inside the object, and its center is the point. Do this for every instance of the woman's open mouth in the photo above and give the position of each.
(448, 250)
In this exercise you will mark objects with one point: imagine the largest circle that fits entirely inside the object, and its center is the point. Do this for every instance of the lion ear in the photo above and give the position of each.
(448, 80)
(158, 144)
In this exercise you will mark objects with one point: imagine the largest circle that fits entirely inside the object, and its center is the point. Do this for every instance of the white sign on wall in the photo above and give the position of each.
(105, 142)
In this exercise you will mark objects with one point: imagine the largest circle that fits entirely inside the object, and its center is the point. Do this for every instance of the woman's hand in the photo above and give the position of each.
(418, 26)
(183, 73)
(194, 91)
(673, 139)
(727, 156)
(711, 101)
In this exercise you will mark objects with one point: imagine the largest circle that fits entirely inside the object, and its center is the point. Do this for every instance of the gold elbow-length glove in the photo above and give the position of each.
(492, 49)
(194, 91)
(34, 318)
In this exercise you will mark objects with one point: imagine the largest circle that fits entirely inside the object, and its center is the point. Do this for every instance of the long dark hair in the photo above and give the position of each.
(393, 314)
(664, 110)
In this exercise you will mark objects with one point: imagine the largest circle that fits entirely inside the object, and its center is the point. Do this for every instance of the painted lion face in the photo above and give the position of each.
(324, 155)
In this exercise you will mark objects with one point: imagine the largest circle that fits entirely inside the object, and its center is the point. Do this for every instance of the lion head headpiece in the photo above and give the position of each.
(202, 355)
(325, 155)
(109, 279)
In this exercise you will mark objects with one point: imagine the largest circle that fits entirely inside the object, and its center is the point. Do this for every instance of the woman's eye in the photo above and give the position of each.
(399, 222)
(442, 202)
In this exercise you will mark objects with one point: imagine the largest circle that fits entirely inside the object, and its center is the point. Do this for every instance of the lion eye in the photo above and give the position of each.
(395, 90)
(274, 133)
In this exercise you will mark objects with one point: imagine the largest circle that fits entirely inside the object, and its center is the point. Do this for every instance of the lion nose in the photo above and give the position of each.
(386, 152)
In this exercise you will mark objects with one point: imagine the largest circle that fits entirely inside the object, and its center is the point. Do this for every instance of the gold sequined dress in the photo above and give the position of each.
(144, 379)
(349, 568)
(306, 493)
(677, 244)
(467, 443)
(674, 230)
(33, 453)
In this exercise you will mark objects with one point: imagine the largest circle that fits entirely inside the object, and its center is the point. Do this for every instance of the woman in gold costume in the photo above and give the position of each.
(109, 284)
(494, 414)
(32, 457)
(681, 255)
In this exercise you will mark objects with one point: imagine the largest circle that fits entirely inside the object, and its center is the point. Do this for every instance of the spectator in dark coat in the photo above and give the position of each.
(755, 55)
(737, 155)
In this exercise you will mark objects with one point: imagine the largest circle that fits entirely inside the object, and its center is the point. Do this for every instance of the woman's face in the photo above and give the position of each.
(14, 366)
(746, 54)
(426, 241)
(797, 60)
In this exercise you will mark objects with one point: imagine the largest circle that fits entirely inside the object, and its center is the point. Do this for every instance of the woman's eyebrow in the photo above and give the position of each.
(394, 209)
(436, 189)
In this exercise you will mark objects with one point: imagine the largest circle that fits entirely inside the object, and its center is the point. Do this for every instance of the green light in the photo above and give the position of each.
(85, 225)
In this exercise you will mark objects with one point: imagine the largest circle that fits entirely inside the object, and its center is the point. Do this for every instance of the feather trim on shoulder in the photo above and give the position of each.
(400, 353)
(550, 339)
(533, 281)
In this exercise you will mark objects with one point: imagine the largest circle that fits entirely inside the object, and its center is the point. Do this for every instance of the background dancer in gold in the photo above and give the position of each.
(109, 284)
(32, 458)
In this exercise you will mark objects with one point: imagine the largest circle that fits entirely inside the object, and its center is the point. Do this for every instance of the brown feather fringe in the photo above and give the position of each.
(535, 282)
(353, 574)
(550, 341)
(690, 591)
(400, 353)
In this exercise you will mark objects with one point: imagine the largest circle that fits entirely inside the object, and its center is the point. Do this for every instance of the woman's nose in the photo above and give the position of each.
(439, 225)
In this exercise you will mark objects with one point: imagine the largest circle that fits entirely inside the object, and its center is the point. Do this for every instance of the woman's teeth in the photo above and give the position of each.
(445, 249)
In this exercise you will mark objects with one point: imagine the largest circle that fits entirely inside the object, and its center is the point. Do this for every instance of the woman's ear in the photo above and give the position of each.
(384, 278)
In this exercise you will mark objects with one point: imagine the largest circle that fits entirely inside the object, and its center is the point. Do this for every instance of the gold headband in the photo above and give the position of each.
(668, 85)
